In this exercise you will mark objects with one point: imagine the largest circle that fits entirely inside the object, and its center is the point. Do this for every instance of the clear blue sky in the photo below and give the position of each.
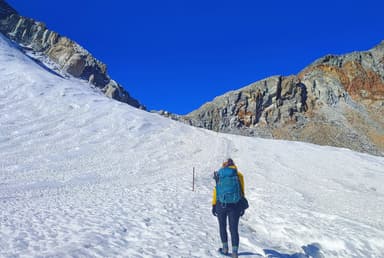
(176, 55)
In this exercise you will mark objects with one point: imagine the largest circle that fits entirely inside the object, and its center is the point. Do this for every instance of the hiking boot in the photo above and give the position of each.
(223, 250)
(234, 252)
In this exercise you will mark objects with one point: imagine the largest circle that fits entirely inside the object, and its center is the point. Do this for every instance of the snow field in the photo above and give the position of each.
(85, 176)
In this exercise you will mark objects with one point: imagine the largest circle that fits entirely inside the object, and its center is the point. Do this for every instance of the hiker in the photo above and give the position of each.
(228, 202)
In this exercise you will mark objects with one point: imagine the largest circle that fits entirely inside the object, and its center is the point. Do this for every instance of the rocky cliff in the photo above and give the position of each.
(337, 101)
(66, 54)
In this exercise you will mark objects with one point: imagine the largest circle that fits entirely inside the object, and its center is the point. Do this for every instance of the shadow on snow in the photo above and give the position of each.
(249, 254)
(311, 250)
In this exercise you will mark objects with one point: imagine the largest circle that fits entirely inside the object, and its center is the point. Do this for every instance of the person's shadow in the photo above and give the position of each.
(311, 250)
(250, 254)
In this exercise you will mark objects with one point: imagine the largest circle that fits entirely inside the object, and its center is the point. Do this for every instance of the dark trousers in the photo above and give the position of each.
(232, 212)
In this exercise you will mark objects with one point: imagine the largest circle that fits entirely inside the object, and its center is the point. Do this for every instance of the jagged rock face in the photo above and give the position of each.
(337, 101)
(252, 109)
(67, 54)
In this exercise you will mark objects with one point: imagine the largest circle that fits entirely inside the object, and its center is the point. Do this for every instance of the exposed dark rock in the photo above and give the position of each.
(337, 101)
(70, 57)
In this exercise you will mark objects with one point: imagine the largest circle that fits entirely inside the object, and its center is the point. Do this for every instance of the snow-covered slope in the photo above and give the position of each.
(82, 175)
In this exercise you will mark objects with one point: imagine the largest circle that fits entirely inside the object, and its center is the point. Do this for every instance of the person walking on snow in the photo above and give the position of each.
(227, 203)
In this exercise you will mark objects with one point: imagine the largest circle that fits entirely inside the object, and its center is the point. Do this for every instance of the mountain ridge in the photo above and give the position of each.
(66, 54)
(337, 100)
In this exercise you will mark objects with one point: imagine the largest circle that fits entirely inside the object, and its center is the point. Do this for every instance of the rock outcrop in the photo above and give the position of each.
(337, 101)
(69, 56)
